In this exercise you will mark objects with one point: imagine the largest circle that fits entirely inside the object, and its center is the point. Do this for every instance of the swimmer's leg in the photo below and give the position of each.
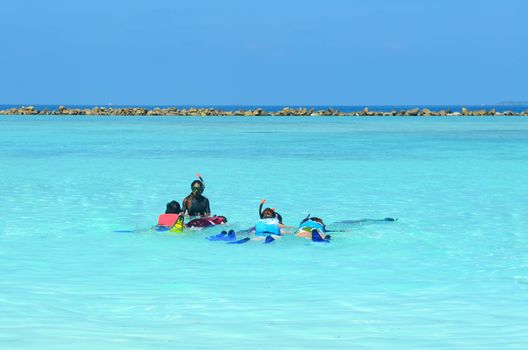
(248, 230)
(304, 234)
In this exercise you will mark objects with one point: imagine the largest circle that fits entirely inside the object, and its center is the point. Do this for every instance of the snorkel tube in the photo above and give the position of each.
(201, 180)
(260, 207)
(305, 219)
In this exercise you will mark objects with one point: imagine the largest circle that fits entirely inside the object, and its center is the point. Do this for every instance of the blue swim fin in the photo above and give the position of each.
(231, 236)
(269, 239)
(240, 241)
(316, 237)
(219, 237)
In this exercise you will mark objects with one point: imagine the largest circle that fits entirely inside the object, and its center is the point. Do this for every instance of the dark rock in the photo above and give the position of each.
(412, 112)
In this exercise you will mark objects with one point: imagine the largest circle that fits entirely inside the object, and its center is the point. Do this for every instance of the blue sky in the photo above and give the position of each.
(221, 52)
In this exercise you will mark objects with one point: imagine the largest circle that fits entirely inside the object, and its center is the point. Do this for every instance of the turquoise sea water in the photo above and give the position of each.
(452, 273)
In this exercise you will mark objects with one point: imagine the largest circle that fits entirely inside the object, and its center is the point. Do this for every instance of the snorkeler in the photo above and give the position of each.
(195, 204)
(313, 228)
(269, 227)
(269, 224)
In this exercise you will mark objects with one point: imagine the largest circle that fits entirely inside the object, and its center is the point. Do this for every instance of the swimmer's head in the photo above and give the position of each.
(197, 187)
(173, 208)
(268, 213)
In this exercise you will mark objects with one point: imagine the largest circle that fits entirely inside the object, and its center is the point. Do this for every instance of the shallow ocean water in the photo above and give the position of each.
(452, 273)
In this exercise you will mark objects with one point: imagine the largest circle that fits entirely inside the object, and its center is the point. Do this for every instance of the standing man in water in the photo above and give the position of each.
(195, 204)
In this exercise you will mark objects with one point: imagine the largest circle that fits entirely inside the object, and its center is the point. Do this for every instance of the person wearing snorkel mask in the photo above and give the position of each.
(269, 224)
(313, 228)
(195, 204)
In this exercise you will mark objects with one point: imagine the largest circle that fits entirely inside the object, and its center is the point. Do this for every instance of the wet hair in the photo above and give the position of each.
(268, 213)
(173, 208)
(318, 220)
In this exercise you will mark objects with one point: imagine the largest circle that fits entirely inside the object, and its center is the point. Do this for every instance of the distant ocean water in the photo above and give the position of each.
(452, 273)
(498, 107)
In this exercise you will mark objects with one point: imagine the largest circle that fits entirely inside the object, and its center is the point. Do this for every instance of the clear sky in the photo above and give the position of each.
(269, 52)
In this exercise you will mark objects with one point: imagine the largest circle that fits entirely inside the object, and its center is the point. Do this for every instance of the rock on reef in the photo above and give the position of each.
(286, 111)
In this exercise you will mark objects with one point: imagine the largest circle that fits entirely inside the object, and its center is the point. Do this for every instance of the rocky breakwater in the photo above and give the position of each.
(303, 111)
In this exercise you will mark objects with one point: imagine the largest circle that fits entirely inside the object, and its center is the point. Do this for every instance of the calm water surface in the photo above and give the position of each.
(452, 273)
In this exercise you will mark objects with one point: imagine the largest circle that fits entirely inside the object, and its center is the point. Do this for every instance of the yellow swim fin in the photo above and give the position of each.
(178, 226)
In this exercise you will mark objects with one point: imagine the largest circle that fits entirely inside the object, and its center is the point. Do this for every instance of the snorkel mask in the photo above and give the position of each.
(260, 207)
(198, 189)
